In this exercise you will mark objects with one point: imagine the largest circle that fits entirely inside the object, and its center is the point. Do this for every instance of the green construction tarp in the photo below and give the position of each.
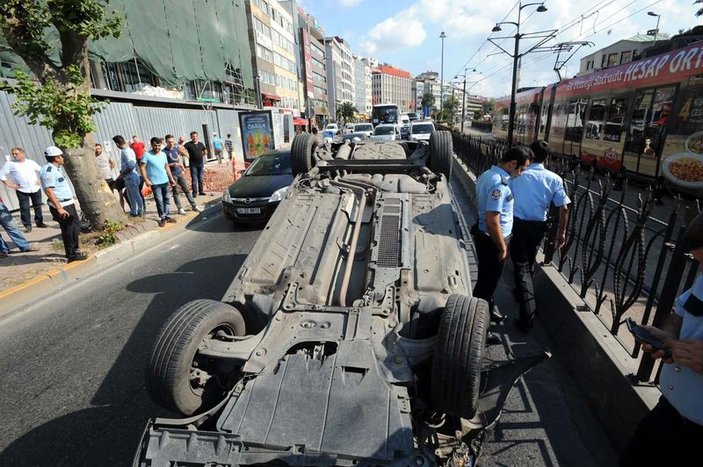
(177, 40)
(181, 40)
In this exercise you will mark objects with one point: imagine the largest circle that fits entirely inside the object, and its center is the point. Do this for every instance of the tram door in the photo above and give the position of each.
(574, 126)
(647, 130)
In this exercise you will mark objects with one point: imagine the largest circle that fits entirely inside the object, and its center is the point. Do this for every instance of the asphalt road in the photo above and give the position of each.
(71, 367)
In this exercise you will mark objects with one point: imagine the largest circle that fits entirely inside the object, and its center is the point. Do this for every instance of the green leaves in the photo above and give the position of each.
(56, 105)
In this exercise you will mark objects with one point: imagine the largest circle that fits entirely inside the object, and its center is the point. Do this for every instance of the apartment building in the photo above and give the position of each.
(362, 88)
(340, 73)
(392, 85)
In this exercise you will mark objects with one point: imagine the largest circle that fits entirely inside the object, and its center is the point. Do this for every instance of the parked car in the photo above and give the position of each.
(421, 131)
(365, 128)
(332, 127)
(349, 335)
(386, 132)
(255, 196)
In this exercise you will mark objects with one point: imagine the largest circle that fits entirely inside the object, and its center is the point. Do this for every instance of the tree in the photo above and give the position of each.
(428, 100)
(700, 11)
(58, 95)
(347, 111)
(450, 108)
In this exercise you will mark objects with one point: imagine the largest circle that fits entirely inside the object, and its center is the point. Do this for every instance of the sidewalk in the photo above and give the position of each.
(27, 275)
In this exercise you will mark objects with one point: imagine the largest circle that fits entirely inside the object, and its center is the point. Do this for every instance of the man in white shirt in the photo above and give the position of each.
(20, 174)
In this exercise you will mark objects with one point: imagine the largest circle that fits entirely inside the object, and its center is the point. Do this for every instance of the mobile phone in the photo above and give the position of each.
(643, 335)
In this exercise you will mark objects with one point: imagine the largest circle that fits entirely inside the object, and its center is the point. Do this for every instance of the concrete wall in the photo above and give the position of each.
(580, 342)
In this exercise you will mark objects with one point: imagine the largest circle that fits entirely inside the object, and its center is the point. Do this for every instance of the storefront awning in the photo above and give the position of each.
(300, 121)
(271, 97)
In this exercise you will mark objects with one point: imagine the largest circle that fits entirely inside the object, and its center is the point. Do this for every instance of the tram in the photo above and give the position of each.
(644, 117)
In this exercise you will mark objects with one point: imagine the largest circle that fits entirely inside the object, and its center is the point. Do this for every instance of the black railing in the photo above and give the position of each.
(619, 256)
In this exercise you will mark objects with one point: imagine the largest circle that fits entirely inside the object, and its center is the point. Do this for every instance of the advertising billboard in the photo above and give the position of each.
(257, 133)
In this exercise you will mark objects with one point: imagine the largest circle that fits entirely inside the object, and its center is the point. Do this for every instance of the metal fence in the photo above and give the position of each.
(623, 253)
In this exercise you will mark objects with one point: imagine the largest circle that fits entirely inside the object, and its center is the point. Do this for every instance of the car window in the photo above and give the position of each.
(418, 129)
(278, 164)
(368, 127)
(384, 130)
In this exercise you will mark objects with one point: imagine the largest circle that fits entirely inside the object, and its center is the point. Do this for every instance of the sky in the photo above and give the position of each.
(405, 33)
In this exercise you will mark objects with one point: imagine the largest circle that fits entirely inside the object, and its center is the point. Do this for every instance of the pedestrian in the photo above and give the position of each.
(130, 174)
(671, 432)
(217, 146)
(534, 191)
(495, 222)
(105, 166)
(138, 147)
(229, 146)
(157, 175)
(196, 156)
(62, 206)
(20, 174)
(177, 171)
(8, 223)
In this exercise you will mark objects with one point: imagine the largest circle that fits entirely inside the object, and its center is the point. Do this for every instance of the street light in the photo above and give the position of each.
(516, 57)
(463, 98)
(441, 85)
(656, 29)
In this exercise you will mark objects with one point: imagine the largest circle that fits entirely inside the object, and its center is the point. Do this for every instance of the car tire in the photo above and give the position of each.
(441, 152)
(174, 360)
(302, 153)
(456, 366)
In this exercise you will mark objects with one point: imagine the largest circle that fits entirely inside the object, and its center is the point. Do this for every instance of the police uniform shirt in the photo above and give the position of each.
(534, 190)
(493, 194)
(682, 386)
(55, 178)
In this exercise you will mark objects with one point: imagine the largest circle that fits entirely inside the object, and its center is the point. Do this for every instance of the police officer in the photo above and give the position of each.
(534, 191)
(61, 203)
(495, 222)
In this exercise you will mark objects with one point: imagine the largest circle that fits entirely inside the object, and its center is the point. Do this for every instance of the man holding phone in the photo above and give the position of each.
(671, 433)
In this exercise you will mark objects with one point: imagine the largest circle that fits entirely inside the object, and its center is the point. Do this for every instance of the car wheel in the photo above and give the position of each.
(456, 366)
(302, 153)
(441, 152)
(180, 379)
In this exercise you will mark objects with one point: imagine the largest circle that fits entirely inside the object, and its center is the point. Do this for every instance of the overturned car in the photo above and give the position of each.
(348, 337)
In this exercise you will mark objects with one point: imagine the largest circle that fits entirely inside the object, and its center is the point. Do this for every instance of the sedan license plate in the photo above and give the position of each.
(249, 210)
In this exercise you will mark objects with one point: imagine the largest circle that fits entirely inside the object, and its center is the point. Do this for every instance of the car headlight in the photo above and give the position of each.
(226, 198)
(278, 195)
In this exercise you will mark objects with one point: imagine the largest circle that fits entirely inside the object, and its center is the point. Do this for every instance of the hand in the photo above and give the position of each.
(560, 241)
(172, 183)
(662, 336)
(147, 182)
(502, 253)
(63, 214)
(687, 352)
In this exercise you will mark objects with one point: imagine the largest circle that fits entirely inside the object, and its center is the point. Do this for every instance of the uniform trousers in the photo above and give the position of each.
(662, 438)
(527, 238)
(70, 228)
(490, 267)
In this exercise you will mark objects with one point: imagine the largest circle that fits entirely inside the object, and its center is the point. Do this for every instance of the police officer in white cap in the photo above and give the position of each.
(61, 203)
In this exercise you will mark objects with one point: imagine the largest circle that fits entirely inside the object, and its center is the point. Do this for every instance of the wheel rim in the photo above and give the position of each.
(205, 370)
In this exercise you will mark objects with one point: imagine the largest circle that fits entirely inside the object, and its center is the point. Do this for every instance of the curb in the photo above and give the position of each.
(16, 298)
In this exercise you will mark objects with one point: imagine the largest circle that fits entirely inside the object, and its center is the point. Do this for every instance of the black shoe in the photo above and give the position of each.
(523, 325)
(77, 257)
(201, 194)
(42, 225)
(492, 339)
(27, 228)
(497, 317)
(162, 222)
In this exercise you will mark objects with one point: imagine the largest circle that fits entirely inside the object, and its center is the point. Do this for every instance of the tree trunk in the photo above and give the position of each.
(96, 200)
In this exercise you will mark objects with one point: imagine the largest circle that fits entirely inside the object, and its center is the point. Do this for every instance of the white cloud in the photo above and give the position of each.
(349, 3)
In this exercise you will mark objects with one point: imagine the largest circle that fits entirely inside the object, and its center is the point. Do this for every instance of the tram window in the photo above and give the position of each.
(596, 117)
(615, 118)
(574, 120)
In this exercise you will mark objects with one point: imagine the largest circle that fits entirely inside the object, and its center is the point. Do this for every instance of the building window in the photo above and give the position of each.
(127, 76)
(612, 59)
(626, 57)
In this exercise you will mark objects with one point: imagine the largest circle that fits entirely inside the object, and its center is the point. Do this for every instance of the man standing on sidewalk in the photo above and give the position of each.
(8, 223)
(174, 163)
(61, 203)
(129, 173)
(25, 182)
(157, 175)
(534, 192)
(229, 146)
(196, 154)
